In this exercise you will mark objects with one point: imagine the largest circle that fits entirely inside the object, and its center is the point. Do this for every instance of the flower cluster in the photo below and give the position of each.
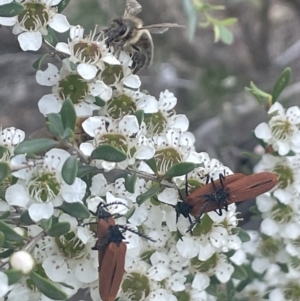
(275, 253)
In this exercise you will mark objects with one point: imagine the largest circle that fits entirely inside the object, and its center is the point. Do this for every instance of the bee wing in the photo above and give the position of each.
(160, 28)
(132, 8)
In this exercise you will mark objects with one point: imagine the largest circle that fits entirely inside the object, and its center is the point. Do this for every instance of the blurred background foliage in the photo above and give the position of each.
(207, 77)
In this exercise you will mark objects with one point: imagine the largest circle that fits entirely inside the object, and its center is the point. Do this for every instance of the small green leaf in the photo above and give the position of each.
(11, 9)
(4, 170)
(180, 169)
(6, 253)
(47, 287)
(68, 133)
(62, 5)
(2, 239)
(68, 115)
(139, 116)
(148, 194)
(264, 99)
(228, 21)
(129, 213)
(13, 276)
(152, 164)
(84, 170)
(282, 81)
(239, 273)
(55, 125)
(77, 209)
(226, 35)
(108, 153)
(37, 65)
(46, 223)
(66, 285)
(35, 146)
(130, 182)
(69, 170)
(9, 233)
(26, 219)
(59, 229)
(99, 101)
(242, 234)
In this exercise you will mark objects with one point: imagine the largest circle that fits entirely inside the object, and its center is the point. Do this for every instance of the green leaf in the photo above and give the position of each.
(13, 276)
(2, 239)
(226, 35)
(192, 18)
(47, 287)
(68, 133)
(55, 125)
(51, 37)
(77, 209)
(139, 116)
(4, 170)
(264, 99)
(241, 233)
(108, 153)
(99, 101)
(239, 273)
(6, 253)
(35, 146)
(228, 21)
(130, 182)
(3, 150)
(84, 170)
(37, 65)
(59, 229)
(68, 115)
(5, 214)
(46, 223)
(62, 5)
(282, 81)
(26, 219)
(66, 285)
(180, 169)
(9, 233)
(152, 164)
(69, 170)
(148, 194)
(129, 213)
(11, 9)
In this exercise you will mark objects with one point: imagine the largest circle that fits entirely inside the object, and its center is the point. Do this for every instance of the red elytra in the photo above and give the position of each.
(112, 265)
(218, 194)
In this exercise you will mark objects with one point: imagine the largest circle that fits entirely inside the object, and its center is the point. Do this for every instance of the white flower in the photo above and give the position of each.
(105, 130)
(282, 131)
(22, 261)
(42, 188)
(67, 83)
(88, 52)
(10, 138)
(31, 24)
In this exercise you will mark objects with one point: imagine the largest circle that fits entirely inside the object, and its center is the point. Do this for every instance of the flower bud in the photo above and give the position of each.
(22, 261)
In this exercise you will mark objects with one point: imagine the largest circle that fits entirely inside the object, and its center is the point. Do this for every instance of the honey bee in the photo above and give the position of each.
(129, 34)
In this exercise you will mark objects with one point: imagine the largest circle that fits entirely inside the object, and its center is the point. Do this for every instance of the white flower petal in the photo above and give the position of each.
(187, 247)
(55, 268)
(75, 192)
(86, 272)
(59, 23)
(16, 195)
(6, 21)
(239, 257)
(201, 281)
(4, 287)
(168, 196)
(99, 88)
(224, 271)
(49, 104)
(132, 81)
(268, 227)
(159, 272)
(63, 47)
(87, 71)
(262, 131)
(40, 211)
(87, 148)
(31, 40)
(49, 77)
(110, 59)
